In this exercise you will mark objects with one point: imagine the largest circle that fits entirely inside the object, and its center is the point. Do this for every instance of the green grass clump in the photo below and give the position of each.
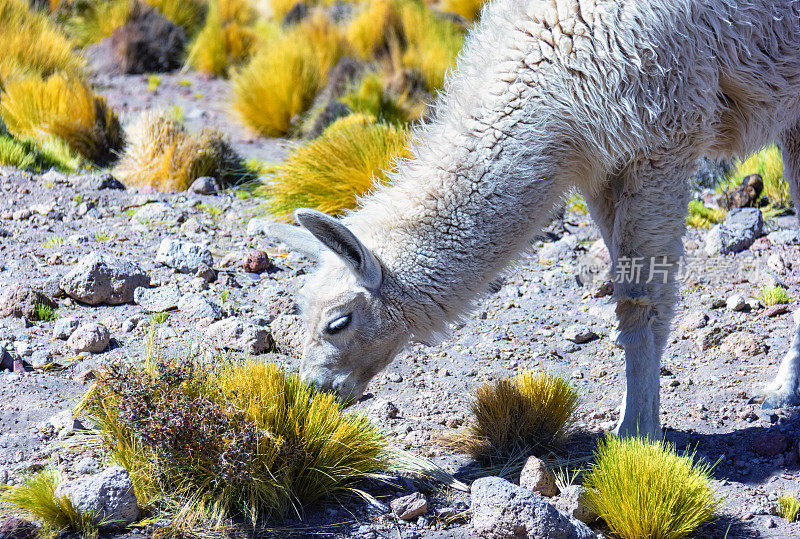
(36, 498)
(789, 506)
(701, 216)
(52, 241)
(229, 440)
(532, 413)
(27, 155)
(33, 45)
(369, 97)
(226, 40)
(329, 173)
(161, 154)
(93, 21)
(45, 313)
(768, 163)
(773, 295)
(62, 108)
(646, 489)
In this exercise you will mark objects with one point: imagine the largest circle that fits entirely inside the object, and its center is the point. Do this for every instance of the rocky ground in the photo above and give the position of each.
(109, 258)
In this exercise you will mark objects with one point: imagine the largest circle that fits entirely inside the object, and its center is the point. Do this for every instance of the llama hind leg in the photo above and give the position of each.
(649, 222)
(785, 389)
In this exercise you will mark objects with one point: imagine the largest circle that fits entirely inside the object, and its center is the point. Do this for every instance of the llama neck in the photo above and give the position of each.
(455, 216)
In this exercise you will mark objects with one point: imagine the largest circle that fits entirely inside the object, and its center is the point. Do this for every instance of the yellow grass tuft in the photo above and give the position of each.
(64, 108)
(646, 489)
(36, 498)
(329, 173)
(469, 9)
(773, 295)
(226, 39)
(532, 413)
(377, 27)
(225, 440)
(163, 155)
(97, 20)
(186, 13)
(769, 164)
(789, 506)
(701, 216)
(433, 43)
(33, 45)
(280, 82)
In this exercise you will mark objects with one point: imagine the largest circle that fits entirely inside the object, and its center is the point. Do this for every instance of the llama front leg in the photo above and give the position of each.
(648, 224)
(785, 389)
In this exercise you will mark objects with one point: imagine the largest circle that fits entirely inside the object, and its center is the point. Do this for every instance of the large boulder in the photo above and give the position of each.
(98, 279)
(108, 497)
(738, 232)
(502, 509)
(147, 43)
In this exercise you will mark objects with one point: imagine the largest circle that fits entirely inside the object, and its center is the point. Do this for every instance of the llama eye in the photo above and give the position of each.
(339, 324)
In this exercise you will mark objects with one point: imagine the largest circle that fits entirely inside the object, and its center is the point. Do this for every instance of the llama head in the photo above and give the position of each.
(351, 332)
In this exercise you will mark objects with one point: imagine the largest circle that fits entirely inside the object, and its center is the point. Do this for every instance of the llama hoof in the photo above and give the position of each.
(778, 399)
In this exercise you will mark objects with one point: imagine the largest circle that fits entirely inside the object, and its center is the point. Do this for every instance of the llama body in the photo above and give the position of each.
(617, 98)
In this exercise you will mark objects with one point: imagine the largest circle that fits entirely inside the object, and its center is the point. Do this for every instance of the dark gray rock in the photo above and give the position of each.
(147, 43)
(502, 509)
(738, 232)
(204, 185)
(97, 182)
(100, 279)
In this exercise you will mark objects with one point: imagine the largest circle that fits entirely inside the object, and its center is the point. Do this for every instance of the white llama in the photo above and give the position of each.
(618, 98)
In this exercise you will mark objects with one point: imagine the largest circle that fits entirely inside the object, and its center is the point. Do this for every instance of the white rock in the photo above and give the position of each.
(736, 303)
(410, 507)
(109, 497)
(572, 501)
(205, 185)
(89, 337)
(155, 213)
(64, 327)
(235, 334)
(159, 299)
(198, 306)
(184, 256)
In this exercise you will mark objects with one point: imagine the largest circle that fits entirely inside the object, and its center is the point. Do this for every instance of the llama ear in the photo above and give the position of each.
(296, 238)
(344, 244)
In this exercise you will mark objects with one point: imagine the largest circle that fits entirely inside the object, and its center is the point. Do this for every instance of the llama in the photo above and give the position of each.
(617, 98)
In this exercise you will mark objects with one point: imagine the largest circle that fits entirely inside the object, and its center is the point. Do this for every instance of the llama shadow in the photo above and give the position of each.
(778, 445)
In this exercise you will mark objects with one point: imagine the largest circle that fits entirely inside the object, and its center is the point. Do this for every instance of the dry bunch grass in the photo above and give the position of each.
(33, 45)
(64, 108)
(371, 98)
(210, 443)
(375, 29)
(330, 172)
(532, 413)
(163, 155)
(279, 84)
(646, 489)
